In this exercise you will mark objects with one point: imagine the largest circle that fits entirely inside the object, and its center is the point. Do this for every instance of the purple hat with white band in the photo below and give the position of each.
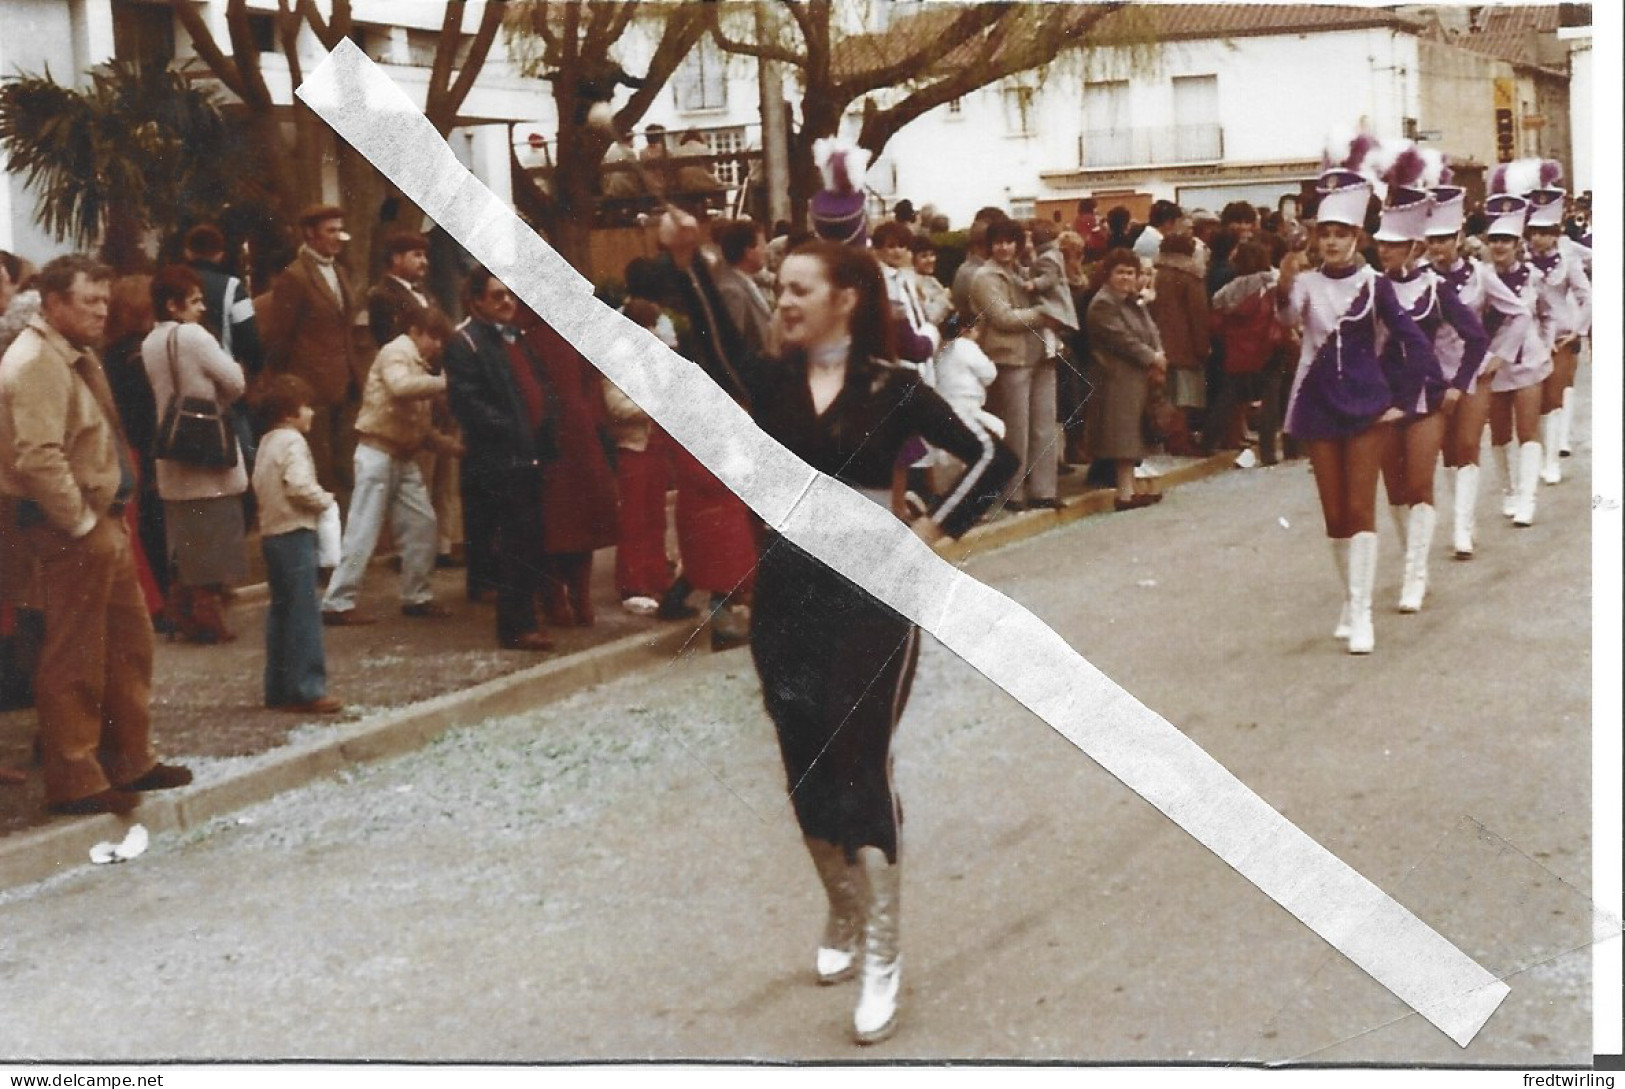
(1545, 198)
(1448, 211)
(1405, 217)
(1506, 214)
(838, 210)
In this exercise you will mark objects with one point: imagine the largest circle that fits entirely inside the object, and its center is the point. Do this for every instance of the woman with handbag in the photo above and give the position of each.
(201, 476)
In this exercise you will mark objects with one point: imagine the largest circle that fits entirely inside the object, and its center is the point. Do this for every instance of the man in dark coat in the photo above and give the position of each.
(498, 399)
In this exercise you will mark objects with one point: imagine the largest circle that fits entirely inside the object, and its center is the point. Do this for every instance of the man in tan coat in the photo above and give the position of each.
(65, 476)
(310, 329)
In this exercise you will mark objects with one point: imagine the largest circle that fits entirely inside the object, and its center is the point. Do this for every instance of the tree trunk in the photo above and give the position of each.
(123, 238)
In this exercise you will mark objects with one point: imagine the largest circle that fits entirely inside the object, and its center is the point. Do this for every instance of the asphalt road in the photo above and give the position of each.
(619, 876)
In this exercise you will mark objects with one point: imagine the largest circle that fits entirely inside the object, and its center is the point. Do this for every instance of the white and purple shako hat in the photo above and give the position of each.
(1344, 186)
(838, 209)
(1449, 208)
(1506, 209)
(1406, 206)
(1545, 198)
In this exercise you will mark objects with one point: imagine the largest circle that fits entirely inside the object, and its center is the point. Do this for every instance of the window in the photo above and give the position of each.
(1018, 111)
(1196, 136)
(698, 81)
(730, 141)
(1023, 208)
(1106, 133)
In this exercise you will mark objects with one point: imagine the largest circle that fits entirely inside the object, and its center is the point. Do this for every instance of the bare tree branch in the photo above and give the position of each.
(223, 67)
(969, 23)
(769, 51)
(445, 54)
(474, 62)
(682, 32)
(247, 54)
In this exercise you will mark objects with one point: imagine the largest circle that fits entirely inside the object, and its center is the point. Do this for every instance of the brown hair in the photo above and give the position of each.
(871, 323)
(57, 277)
(281, 397)
(1118, 257)
(429, 320)
(172, 285)
(891, 233)
(205, 240)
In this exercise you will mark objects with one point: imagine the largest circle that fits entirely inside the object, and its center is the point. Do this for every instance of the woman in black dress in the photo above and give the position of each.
(835, 663)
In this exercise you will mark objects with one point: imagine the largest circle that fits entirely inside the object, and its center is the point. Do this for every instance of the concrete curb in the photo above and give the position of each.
(39, 853)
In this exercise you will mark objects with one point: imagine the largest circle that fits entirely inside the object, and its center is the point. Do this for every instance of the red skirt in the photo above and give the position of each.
(642, 477)
(715, 532)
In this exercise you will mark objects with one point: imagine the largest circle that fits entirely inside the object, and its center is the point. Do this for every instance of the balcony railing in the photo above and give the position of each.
(1173, 145)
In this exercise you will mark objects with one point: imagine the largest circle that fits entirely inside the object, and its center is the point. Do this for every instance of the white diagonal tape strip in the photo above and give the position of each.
(1015, 649)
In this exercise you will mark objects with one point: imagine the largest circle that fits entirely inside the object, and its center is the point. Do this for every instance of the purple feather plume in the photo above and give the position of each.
(1498, 179)
(1358, 149)
(1551, 172)
(1407, 167)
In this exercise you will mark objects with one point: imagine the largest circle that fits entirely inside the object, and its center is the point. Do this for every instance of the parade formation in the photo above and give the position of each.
(248, 396)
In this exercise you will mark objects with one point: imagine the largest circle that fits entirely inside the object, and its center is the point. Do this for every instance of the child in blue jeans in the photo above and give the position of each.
(291, 503)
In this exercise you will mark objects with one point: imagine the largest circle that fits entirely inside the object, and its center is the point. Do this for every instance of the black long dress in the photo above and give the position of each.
(835, 663)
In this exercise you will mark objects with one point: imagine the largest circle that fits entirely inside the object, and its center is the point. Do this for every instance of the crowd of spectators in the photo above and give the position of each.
(357, 418)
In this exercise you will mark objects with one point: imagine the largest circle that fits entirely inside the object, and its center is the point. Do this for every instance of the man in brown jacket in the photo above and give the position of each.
(310, 329)
(65, 476)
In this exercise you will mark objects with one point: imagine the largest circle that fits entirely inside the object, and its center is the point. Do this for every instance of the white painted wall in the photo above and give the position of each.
(36, 36)
(1581, 118)
(1278, 97)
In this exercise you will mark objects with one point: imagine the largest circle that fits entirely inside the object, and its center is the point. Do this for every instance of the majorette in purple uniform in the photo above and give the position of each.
(1567, 290)
(1515, 389)
(1476, 285)
(1423, 389)
(1341, 402)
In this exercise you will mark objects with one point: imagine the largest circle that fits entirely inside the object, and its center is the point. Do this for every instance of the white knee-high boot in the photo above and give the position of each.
(1551, 469)
(1509, 479)
(1529, 456)
(1418, 542)
(1565, 424)
(1362, 578)
(1466, 512)
(1401, 514)
(875, 1017)
(1340, 557)
(837, 958)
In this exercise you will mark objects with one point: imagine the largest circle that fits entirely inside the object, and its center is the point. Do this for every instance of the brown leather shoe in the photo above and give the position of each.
(160, 777)
(327, 705)
(111, 800)
(531, 640)
(350, 618)
(428, 610)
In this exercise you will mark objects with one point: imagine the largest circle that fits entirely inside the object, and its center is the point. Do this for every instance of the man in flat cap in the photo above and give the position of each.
(308, 330)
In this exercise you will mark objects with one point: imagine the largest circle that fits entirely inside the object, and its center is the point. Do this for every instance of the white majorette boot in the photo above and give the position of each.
(1340, 556)
(1551, 470)
(1401, 514)
(1418, 542)
(1362, 577)
(1529, 456)
(1565, 424)
(1509, 479)
(837, 959)
(1466, 510)
(875, 1018)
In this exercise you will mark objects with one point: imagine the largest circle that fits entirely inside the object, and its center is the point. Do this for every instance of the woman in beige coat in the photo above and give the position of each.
(1023, 395)
(203, 508)
(1127, 351)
